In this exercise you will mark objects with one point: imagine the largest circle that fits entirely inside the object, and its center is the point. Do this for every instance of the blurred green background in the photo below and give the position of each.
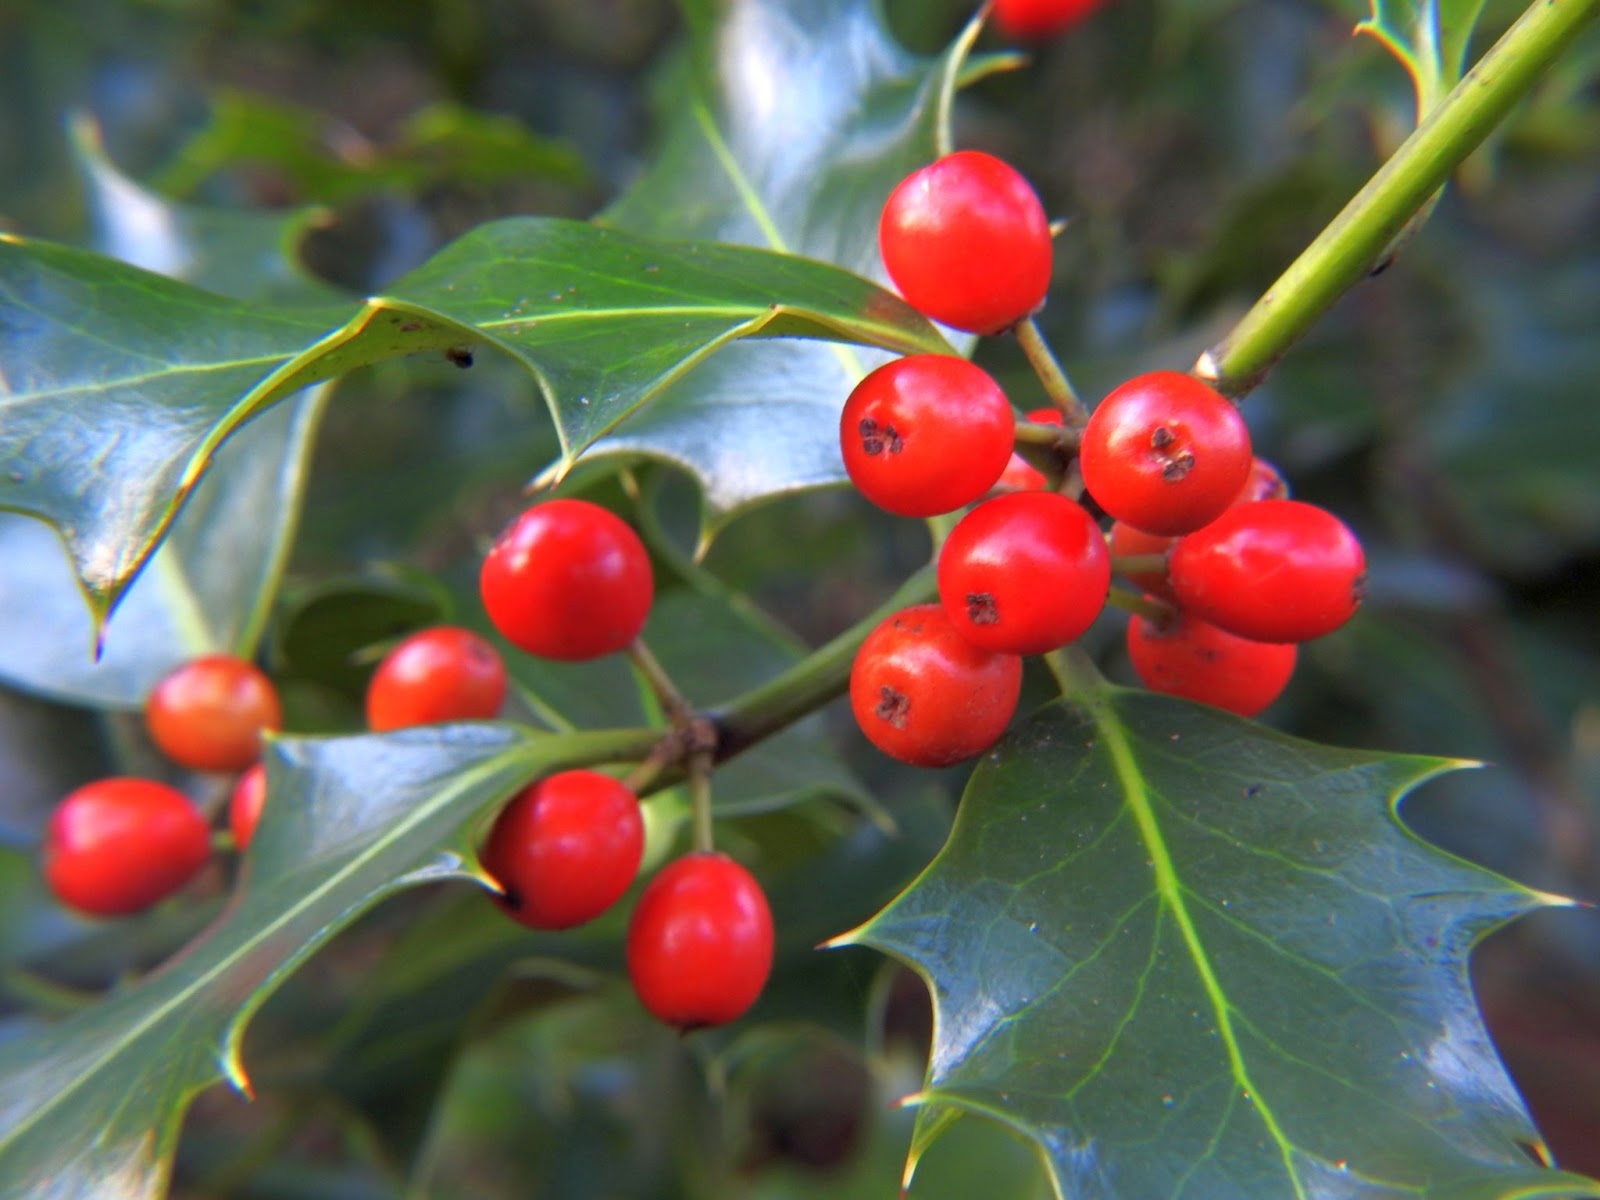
(1446, 409)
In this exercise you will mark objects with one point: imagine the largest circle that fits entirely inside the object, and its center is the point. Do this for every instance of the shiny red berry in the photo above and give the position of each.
(966, 241)
(1164, 453)
(1024, 573)
(438, 674)
(1020, 475)
(1128, 542)
(926, 434)
(1272, 571)
(568, 580)
(1036, 20)
(565, 849)
(244, 808)
(700, 942)
(1185, 656)
(925, 695)
(118, 846)
(210, 713)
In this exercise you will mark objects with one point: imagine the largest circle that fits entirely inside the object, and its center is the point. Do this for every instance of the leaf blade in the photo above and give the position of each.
(173, 371)
(1155, 923)
(348, 821)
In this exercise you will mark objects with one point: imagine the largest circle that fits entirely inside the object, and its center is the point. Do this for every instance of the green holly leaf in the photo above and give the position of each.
(121, 386)
(91, 1107)
(212, 582)
(1430, 39)
(1187, 956)
(795, 120)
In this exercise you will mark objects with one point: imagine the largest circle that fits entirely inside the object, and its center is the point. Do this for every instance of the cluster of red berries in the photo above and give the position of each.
(567, 580)
(570, 580)
(1235, 573)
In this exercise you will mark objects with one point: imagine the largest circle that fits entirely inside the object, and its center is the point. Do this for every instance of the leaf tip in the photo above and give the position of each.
(551, 476)
(233, 1068)
(850, 937)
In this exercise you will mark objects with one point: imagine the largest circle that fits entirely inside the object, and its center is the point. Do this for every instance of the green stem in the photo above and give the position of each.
(820, 677)
(1056, 384)
(678, 709)
(1140, 605)
(1138, 564)
(700, 800)
(1348, 249)
(1075, 672)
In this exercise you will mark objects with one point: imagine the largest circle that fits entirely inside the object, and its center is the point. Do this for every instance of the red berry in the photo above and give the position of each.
(1040, 19)
(568, 580)
(1265, 482)
(1165, 453)
(244, 809)
(1126, 541)
(209, 714)
(700, 942)
(565, 849)
(1024, 573)
(438, 674)
(1272, 571)
(1188, 657)
(1019, 475)
(925, 695)
(118, 846)
(966, 241)
(926, 434)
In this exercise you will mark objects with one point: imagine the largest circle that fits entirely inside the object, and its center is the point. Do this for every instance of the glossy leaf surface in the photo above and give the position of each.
(799, 119)
(347, 821)
(212, 581)
(1157, 926)
(120, 386)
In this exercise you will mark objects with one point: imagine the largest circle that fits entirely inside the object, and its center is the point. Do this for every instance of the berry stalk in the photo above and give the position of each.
(1348, 249)
(1045, 365)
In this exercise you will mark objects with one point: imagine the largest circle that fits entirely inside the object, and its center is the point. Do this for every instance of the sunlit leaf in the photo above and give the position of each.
(118, 387)
(212, 581)
(91, 1107)
(798, 118)
(1186, 956)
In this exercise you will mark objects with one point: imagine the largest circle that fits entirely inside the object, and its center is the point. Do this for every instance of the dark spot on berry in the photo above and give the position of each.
(981, 609)
(1162, 438)
(893, 707)
(876, 440)
(1178, 469)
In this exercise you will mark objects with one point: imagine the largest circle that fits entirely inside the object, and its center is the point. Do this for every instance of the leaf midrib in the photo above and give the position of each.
(1170, 893)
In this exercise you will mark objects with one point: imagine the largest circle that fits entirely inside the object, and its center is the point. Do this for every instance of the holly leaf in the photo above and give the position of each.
(1430, 38)
(91, 1107)
(796, 120)
(1186, 956)
(118, 387)
(213, 581)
